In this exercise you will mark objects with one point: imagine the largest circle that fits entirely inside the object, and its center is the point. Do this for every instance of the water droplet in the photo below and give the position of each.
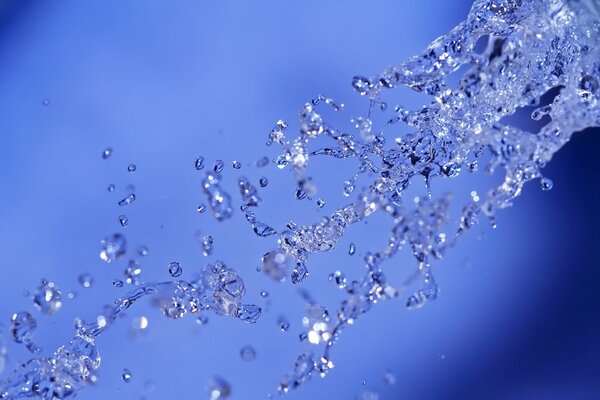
(546, 183)
(320, 202)
(113, 248)
(218, 167)
(202, 320)
(47, 298)
(201, 208)
(107, 152)
(281, 161)
(199, 163)
(351, 249)
(263, 230)
(263, 182)
(123, 220)
(126, 375)
(86, 280)
(218, 389)
(361, 84)
(262, 162)
(264, 293)
(338, 278)
(249, 313)
(206, 242)
(248, 353)
(389, 378)
(127, 200)
(117, 283)
(236, 165)
(348, 188)
(111, 188)
(275, 265)
(143, 251)
(283, 323)
(22, 326)
(46, 102)
(131, 168)
(299, 273)
(175, 269)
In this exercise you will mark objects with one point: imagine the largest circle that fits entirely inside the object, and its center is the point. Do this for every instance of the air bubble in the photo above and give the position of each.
(236, 165)
(107, 152)
(131, 168)
(263, 182)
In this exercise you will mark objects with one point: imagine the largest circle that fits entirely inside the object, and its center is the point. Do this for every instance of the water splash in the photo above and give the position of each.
(534, 47)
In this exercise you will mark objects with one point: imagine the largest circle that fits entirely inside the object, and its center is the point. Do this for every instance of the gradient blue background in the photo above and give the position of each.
(161, 82)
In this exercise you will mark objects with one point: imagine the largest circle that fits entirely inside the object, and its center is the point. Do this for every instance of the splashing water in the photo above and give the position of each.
(534, 46)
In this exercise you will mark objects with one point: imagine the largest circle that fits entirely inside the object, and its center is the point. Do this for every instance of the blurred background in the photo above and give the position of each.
(160, 82)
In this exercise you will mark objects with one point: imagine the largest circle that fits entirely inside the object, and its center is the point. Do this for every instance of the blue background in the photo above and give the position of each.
(162, 82)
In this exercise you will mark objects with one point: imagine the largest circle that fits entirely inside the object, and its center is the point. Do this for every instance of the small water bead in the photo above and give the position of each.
(47, 298)
(389, 378)
(284, 324)
(143, 251)
(117, 283)
(218, 167)
(46, 102)
(207, 242)
(127, 200)
(368, 395)
(175, 269)
(22, 326)
(236, 165)
(348, 188)
(263, 182)
(201, 208)
(263, 230)
(86, 280)
(248, 353)
(264, 293)
(361, 84)
(107, 152)
(351, 249)
(281, 161)
(199, 163)
(131, 167)
(126, 375)
(123, 220)
(262, 162)
(202, 320)
(338, 278)
(320, 203)
(218, 389)
(546, 183)
(111, 188)
(249, 313)
(113, 247)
